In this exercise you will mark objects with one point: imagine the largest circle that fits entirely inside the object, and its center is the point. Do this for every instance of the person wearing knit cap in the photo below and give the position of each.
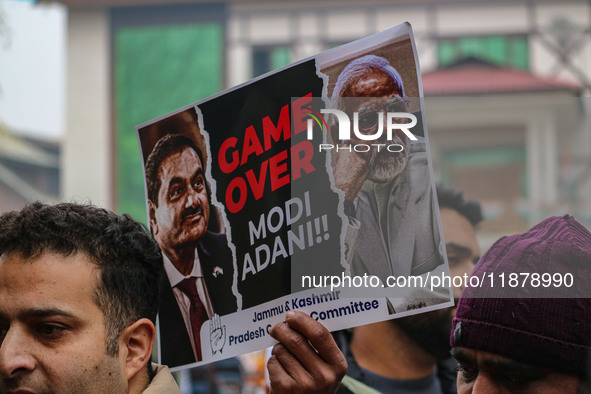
(526, 343)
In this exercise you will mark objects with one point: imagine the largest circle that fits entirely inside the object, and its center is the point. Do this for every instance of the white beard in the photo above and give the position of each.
(384, 166)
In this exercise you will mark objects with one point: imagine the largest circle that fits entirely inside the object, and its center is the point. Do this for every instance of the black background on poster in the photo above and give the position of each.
(228, 116)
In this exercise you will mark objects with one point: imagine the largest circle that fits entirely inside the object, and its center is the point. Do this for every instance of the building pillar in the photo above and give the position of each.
(87, 157)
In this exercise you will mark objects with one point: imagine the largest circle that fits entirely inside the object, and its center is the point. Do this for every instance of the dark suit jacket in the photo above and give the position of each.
(175, 345)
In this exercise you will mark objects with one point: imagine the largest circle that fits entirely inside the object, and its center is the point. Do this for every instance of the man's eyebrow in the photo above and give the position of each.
(175, 180)
(199, 172)
(511, 366)
(459, 248)
(461, 356)
(43, 313)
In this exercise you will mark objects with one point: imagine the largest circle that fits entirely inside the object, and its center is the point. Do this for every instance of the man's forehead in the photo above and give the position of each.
(49, 256)
(507, 373)
(48, 286)
(174, 164)
(182, 163)
(50, 269)
(487, 359)
(458, 230)
(376, 83)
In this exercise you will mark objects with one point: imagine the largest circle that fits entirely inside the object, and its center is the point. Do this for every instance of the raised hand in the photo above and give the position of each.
(306, 359)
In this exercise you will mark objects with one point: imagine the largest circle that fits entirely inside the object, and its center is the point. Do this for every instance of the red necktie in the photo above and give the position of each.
(197, 312)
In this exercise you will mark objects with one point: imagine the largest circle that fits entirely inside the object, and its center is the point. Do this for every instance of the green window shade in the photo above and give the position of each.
(495, 50)
(446, 53)
(280, 57)
(471, 46)
(502, 50)
(520, 54)
(157, 70)
(484, 157)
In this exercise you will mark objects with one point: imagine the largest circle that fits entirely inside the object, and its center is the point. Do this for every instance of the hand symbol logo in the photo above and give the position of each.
(217, 334)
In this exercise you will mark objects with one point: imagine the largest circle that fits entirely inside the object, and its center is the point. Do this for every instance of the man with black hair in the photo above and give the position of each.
(411, 354)
(78, 302)
(459, 220)
(197, 261)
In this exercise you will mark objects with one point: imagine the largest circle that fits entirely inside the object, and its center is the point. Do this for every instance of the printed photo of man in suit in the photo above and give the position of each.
(198, 262)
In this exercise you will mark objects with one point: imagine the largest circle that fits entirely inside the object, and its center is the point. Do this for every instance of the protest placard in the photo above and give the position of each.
(308, 188)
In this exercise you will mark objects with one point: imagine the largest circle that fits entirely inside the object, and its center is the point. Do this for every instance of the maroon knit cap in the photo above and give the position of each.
(548, 332)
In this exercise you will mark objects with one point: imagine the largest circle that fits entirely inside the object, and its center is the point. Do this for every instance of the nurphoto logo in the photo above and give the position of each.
(367, 126)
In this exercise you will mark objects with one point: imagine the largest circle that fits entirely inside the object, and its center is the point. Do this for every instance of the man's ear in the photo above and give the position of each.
(135, 347)
(152, 218)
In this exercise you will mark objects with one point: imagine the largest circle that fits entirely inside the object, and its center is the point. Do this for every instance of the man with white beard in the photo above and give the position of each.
(388, 195)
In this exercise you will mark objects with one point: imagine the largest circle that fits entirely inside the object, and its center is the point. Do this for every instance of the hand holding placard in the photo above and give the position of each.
(306, 359)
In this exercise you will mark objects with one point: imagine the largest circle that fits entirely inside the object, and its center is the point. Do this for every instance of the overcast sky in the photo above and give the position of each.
(32, 68)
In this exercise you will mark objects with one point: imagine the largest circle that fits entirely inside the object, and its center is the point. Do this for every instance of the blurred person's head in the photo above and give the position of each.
(369, 85)
(178, 194)
(526, 345)
(459, 219)
(78, 300)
